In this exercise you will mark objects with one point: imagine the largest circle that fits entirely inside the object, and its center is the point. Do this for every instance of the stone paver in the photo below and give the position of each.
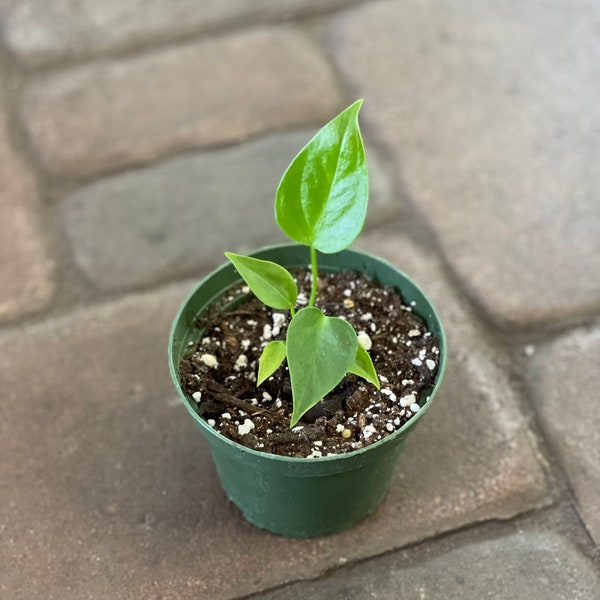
(157, 132)
(109, 489)
(477, 417)
(42, 32)
(491, 112)
(25, 270)
(524, 566)
(565, 378)
(109, 114)
(168, 220)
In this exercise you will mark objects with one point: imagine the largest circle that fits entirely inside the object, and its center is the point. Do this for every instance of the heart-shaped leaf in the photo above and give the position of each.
(319, 351)
(322, 198)
(362, 365)
(271, 283)
(270, 360)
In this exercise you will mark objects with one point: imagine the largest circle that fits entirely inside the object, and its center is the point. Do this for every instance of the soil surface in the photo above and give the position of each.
(219, 372)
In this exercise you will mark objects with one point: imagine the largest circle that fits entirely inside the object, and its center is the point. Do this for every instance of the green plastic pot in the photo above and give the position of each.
(301, 497)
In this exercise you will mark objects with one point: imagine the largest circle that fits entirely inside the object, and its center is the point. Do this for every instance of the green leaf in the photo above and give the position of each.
(270, 360)
(271, 283)
(362, 365)
(322, 198)
(319, 351)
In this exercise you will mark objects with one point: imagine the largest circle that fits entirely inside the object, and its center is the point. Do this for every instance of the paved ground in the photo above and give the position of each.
(141, 139)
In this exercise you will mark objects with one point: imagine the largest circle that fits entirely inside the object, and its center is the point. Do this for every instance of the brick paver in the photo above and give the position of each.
(25, 269)
(522, 566)
(491, 112)
(116, 486)
(109, 114)
(41, 32)
(168, 220)
(148, 137)
(565, 377)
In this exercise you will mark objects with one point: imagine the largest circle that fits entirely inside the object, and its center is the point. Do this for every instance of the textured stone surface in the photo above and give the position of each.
(484, 454)
(565, 378)
(526, 566)
(107, 488)
(40, 32)
(168, 220)
(491, 111)
(112, 113)
(25, 269)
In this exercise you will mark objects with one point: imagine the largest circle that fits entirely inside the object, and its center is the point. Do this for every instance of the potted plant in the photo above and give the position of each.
(306, 365)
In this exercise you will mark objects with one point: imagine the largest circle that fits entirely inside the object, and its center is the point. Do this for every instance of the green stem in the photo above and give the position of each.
(313, 268)
(293, 312)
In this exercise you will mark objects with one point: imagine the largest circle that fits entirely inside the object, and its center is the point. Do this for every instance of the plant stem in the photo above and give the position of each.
(313, 269)
(292, 312)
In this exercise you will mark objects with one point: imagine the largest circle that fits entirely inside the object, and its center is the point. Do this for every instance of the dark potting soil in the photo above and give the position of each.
(219, 372)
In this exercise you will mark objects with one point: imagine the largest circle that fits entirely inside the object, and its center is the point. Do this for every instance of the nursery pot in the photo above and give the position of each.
(301, 497)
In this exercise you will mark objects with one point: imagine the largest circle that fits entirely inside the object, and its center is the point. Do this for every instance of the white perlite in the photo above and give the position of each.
(246, 427)
(197, 396)
(368, 431)
(241, 362)
(364, 340)
(389, 393)
(430, 364)
(414, 333)
(407, 400)
(278, 321)
(210, 360)
(414, 407)
(267, 332)
(417, 362)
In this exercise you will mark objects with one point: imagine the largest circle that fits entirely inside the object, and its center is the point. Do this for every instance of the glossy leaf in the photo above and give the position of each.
(362, 365)
(319, 351)
(271, 283)
(270, 360)
(322, 198)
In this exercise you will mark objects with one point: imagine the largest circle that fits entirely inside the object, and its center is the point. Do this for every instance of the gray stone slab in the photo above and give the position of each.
(26, 283)
(491, 112)
(524, 566)
(565, 379)
(108, 489)
(108, 114)
(42, 32)
(168, 220)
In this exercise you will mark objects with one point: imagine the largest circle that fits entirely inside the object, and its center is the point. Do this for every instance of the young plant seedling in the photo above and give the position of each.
(321, 202)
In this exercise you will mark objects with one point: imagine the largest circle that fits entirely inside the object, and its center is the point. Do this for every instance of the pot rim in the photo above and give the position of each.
(396, 436)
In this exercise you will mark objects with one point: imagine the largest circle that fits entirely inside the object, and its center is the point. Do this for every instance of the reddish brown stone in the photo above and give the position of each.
(113, 113)
(112, 488)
